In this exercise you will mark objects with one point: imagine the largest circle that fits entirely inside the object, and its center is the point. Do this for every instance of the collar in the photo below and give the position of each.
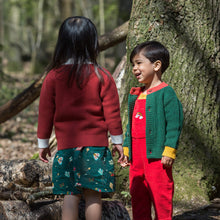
(71, 61)
(138, 90)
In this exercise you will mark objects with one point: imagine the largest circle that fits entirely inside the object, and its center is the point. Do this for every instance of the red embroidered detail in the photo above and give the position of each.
(138, 90)
(135, 90)
(156, 88)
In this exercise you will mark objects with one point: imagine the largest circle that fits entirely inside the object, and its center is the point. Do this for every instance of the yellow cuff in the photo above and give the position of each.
(126, 151)
(169, 152)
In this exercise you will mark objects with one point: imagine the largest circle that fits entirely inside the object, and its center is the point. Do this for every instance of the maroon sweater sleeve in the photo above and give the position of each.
(111, 106)
(46, 108)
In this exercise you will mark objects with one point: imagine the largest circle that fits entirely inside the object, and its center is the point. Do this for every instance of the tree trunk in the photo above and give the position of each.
(1, 40)
(190, 31)
(66, 8)
(14, 16)
(1, 30)
(85, 6)
(37, 42)
(102, 29)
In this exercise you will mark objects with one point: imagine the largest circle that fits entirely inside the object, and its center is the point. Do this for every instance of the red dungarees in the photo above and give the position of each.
(150, 182)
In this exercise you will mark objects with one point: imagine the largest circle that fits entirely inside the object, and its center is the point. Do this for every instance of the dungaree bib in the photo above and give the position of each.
(150, 182)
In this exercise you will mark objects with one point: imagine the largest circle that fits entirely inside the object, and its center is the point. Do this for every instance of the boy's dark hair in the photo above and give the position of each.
(78, 41)
(153, 51)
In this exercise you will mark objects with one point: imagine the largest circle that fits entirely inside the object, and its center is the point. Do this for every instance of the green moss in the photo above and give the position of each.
(35, 156)
(189, 188)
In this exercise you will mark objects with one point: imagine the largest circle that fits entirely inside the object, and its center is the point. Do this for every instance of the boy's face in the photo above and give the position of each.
(143, 69)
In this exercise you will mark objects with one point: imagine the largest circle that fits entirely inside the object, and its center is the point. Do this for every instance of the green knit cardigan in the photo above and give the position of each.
(164, 120)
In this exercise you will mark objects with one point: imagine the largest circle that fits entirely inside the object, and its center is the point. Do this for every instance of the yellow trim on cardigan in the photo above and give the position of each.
(142, 96)
(169, 152)
(126, 151)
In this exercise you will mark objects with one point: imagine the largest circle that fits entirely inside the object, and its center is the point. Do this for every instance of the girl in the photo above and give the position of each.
(80, 99)
(154, 126)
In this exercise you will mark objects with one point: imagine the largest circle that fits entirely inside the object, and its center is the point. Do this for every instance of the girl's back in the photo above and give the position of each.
(81, 116)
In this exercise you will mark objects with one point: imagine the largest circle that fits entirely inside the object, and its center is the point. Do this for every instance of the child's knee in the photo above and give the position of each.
(71, 201)
(92, 196)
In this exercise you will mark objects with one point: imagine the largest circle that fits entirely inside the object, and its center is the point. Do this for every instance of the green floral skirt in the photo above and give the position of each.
(90, 168)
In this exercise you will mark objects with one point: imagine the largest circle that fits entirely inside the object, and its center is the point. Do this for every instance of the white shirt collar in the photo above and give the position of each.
(70, 61)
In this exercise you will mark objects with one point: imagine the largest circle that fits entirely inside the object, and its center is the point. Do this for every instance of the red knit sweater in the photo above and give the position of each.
(81, 117)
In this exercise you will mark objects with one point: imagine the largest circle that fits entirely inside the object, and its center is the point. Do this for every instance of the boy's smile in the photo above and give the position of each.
(143, 69)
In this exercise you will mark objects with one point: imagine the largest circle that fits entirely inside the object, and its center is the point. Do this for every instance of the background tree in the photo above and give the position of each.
(66, 8)
(1, 39)
(190, 30)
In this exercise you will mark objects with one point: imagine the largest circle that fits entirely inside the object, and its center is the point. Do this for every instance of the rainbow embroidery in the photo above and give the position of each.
(139, 115)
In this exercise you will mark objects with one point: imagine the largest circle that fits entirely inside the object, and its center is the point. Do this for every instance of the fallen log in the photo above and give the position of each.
(26, 173)
(51, 210)
(47, 210)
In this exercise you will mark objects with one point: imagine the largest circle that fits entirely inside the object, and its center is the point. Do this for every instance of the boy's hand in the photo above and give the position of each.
(43, 152)
(167, 161)
(125, 162)
(118, 148)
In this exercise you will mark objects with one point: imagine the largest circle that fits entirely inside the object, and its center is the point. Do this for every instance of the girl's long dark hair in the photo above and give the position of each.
(78, 41)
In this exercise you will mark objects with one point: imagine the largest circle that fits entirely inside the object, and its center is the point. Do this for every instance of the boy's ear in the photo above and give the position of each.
(157, 65)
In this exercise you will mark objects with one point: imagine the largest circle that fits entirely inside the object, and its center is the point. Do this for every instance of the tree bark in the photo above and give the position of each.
(1, 32)
(25, 173)
(25, 98)
(37, 42)
(1, 40)
(190, 31)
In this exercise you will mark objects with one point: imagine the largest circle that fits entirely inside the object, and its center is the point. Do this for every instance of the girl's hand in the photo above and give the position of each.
(118, 148)
(43, 152)
(125, 162)
(167, 161)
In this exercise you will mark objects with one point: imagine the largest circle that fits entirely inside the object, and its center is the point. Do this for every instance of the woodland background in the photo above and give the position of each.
(190, 30)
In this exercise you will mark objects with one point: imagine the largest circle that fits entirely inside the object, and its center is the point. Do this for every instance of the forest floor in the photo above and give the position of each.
(18, 141)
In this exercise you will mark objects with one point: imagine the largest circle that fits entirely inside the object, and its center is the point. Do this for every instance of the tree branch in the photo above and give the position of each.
(30, 94)
(118, 35)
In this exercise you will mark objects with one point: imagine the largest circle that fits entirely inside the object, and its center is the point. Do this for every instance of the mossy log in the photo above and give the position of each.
(51, 210)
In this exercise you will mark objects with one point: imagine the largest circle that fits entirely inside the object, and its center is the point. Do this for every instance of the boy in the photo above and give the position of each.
(154, 126)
